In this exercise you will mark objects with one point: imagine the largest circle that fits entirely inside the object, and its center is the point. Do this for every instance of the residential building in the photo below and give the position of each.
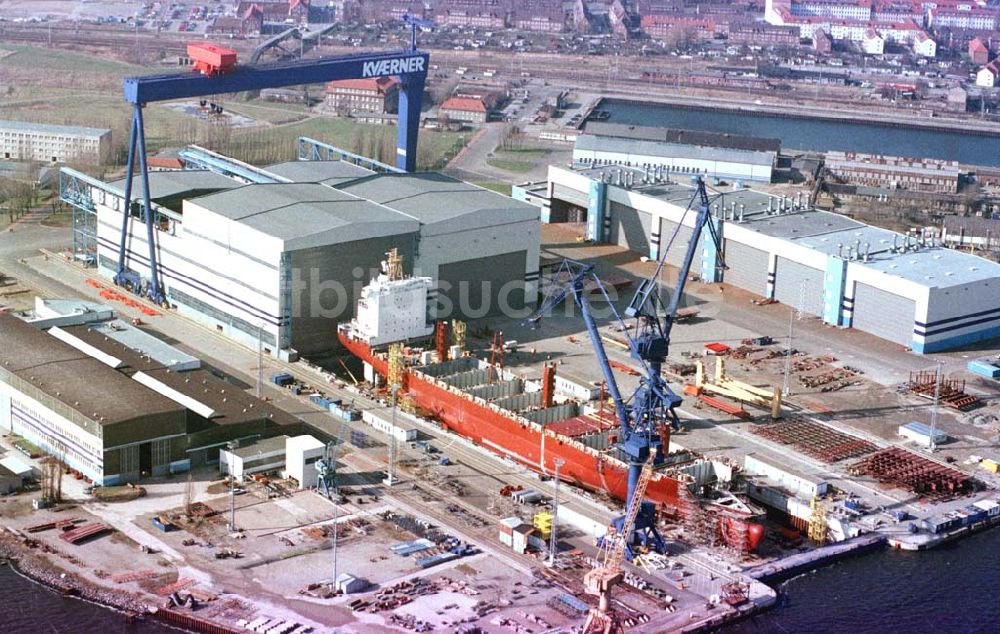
(487, 14)
(821, 41)
(385, 10)
(378, 95)
(545, 16)
(963, 17)
(678, 28)
(873, 43)
(24, 141)
(989, 75)
(979, 53)
(467, 109)
(835, 9)
(894, 172)
(924, 46)
(762, 34)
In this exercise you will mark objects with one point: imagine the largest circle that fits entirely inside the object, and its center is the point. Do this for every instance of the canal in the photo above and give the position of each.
(813, 134)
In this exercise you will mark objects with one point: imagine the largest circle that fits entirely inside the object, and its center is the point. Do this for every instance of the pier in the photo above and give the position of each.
(813, 559)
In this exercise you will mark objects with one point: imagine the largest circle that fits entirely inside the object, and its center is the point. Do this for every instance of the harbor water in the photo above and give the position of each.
(948, 590)
(29, 608)
(814, 134)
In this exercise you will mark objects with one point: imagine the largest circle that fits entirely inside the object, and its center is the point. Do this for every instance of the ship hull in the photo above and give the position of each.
(504, 434)
(522, 442)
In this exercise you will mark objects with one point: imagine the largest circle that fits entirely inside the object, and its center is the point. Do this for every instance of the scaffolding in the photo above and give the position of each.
(394, 265)
(397, 366)
(458, 333)
(817, 521)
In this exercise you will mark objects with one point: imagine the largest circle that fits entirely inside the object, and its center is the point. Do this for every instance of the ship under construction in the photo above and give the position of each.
(524, 420)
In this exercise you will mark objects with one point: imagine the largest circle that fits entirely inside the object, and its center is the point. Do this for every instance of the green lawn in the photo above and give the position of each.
(53, 59)
(279, 143)
(510, 165)
(528, 152)
(500, 188)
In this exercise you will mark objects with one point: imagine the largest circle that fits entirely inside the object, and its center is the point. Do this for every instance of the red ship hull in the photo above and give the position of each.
(508, 435)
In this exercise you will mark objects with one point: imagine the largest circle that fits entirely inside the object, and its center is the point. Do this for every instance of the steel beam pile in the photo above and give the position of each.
(814, 440)
(901, 468)
(951, 393)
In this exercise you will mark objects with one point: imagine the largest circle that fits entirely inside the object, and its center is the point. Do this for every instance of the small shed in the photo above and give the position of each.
(507, 526)
(921, 434)
(9, 481)
(18, 466)
(349, 584)
(521, 535)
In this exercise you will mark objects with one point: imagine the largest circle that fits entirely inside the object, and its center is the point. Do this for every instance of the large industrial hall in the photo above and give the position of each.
(904, 288)
(281, 259)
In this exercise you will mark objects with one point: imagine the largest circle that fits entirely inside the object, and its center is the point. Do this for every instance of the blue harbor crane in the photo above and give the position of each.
(216, 72)
(646, 417)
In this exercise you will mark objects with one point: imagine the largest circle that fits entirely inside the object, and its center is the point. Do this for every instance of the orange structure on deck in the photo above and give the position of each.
(211, 59)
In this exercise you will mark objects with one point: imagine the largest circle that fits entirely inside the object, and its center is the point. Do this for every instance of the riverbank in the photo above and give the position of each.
(32, 562)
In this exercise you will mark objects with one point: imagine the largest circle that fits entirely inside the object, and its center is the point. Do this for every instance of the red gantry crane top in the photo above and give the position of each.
(212, 59)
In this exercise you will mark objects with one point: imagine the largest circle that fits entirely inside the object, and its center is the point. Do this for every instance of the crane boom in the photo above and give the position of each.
(644, 438)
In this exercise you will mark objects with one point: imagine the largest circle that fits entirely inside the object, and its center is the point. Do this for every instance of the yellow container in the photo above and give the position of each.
(991, 465)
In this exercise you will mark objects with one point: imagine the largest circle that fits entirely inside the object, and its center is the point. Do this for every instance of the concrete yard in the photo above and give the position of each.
(283, 546)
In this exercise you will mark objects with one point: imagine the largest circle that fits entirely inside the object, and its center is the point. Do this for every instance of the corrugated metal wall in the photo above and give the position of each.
(472, 286)
(630, 228)
(552, 414)
(498, 390)
(675, 255)
(747, 267)
(884, 314)
(519, 402)
(570, 195)
(799, 285)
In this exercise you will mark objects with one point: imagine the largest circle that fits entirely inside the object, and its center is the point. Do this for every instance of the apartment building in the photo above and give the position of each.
(24, 141)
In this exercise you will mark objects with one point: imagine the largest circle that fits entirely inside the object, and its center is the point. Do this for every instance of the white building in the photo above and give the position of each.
(262, 456)
(872, 43)
(924, 45)
(839, 10)
(382, 422)
(902, 288)
(803, 486)
(677, 151)
(301, 454)
(23, 141)
(988, 75)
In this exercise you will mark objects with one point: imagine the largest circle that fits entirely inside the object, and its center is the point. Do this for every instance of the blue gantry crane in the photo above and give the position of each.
(646, 417)
(217, 73)
(416, 23)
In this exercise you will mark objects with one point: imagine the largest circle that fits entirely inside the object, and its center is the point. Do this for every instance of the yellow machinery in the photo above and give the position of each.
(543, 524)
(602, 579)
(738, 390)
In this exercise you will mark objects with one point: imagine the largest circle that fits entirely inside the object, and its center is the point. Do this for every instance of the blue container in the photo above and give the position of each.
(282, 379)
(983, 367)
(852, 504)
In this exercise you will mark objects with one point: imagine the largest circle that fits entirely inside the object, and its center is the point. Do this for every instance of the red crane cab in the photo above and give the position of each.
(210, 59)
